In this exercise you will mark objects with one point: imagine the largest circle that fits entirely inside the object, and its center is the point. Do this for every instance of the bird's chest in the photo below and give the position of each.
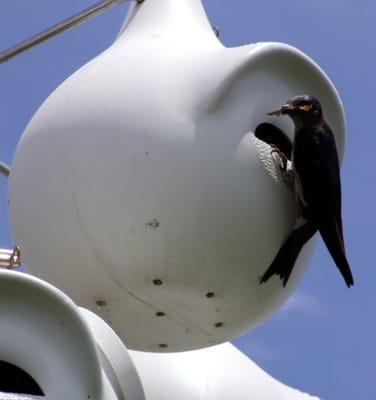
(306, 156)
(307, 166)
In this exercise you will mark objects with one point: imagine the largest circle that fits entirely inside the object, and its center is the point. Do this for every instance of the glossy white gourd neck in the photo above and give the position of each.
(178, 21)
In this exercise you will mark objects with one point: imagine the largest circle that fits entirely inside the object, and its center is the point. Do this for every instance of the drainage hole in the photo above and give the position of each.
(160, 314)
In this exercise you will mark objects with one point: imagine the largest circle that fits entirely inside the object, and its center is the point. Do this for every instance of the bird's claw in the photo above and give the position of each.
(283, 163)
(281, 158)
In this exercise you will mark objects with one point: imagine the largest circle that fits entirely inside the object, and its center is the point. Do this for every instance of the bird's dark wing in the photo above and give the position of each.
(284, 261)
(271, 134)
(317, 166)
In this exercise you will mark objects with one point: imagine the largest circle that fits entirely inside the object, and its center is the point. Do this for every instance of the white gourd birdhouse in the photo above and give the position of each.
(52, 349)
(139, 189)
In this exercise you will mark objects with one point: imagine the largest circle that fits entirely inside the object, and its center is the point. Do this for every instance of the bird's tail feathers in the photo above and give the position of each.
(332, 236)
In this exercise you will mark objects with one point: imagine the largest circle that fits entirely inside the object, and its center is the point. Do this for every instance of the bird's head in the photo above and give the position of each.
(301, 109)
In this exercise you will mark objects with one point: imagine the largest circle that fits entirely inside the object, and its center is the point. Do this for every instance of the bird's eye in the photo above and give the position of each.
(305, 107)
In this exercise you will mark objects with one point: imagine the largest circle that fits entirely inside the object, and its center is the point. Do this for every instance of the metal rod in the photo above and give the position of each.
(4, 169)
(60, 27)
(10, 258)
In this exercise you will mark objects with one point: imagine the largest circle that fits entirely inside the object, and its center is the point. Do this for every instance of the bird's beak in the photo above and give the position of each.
(285, 109)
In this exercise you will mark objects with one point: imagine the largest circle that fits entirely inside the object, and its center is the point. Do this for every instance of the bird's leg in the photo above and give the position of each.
(284, 165)
(281, 158)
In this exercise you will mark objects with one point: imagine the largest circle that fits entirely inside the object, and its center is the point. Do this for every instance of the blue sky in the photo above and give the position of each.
(323, 340)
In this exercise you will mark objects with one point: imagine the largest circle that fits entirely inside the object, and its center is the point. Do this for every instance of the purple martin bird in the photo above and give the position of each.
(317, 187)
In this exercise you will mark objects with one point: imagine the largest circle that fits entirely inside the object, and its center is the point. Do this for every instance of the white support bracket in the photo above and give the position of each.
(10, 259)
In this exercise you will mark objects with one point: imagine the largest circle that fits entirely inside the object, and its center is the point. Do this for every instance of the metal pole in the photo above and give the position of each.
(60, 27)
(4, 169)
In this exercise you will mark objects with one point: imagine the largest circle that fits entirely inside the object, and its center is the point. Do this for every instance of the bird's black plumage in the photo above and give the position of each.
(317, 188)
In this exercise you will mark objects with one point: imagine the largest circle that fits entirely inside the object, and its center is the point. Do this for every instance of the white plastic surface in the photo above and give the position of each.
(138, 187)
(116, 363)
(42, 332)
(10, 396)
(217, 373)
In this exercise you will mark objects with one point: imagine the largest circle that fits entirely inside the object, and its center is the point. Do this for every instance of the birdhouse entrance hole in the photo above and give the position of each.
(15, 380)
